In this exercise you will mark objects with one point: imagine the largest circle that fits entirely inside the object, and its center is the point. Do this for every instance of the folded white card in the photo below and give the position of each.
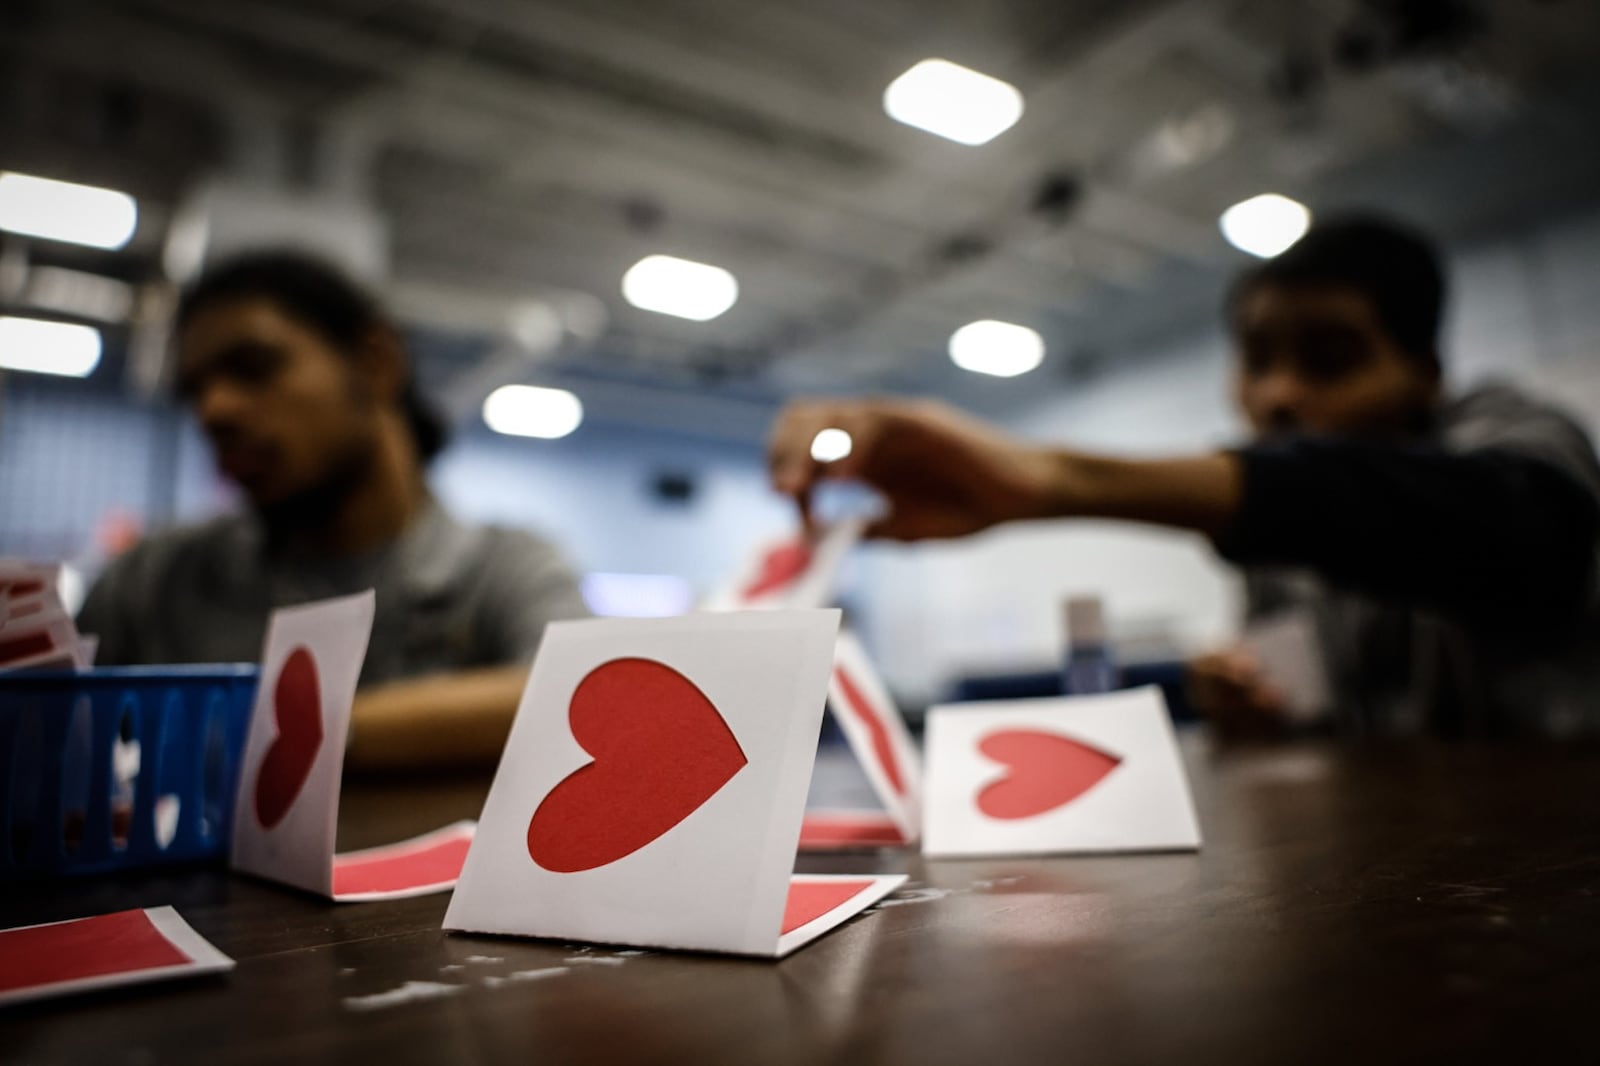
(1075, 774)
(876, 733)
(652, 789)
(793, 573)
(1290, 655)
(286, 813)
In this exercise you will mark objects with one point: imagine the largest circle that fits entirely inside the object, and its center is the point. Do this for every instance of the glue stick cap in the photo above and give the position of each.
(1086, 620)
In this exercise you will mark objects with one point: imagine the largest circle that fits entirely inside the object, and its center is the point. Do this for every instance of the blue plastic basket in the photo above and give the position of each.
(118, 768)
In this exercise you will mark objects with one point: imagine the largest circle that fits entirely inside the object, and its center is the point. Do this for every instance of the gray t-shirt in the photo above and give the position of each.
(449, 596)
(1401, 670)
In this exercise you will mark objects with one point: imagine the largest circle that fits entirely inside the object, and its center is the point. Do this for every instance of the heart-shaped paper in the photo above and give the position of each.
(779, 567)
(660, 749)
(857, 704)
(1045, 771)
(297, 709)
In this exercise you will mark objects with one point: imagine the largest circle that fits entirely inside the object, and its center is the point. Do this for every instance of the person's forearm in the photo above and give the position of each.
(1199, 492)
(1490, 535)
(449, 720)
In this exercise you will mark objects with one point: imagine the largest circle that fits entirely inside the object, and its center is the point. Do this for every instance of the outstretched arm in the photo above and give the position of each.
(947, 475)
(1487, 534)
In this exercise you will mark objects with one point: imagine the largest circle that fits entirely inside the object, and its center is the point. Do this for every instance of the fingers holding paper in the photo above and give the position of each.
(941, 473)
(1231, 689)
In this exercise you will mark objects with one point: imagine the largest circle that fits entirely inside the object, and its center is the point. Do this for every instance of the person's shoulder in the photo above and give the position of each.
(181, 546)
(512, 543)
(526, 568)
(1501, 417)
(1498, 408)
(1504, 401)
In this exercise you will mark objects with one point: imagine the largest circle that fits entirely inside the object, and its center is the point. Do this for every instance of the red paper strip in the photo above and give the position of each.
(124, 942)
(810, 900)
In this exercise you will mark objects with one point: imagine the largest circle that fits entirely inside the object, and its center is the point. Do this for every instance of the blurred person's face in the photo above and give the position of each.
(1317, 359)
(289, 416)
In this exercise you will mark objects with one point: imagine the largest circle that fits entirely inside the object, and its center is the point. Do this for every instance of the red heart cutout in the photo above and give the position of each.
(780, 566)
(660, 749)
(297, 707)
(1047, 771)
(857, 704)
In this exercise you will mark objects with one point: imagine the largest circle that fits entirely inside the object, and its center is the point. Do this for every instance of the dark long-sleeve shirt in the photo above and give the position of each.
(1455, 580)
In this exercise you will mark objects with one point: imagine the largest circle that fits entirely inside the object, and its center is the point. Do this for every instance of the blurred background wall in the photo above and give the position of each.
(494, 167)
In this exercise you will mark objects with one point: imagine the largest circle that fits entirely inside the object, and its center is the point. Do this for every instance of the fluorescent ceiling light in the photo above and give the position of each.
(952, 101)
(999, 349)
(529, 411)
(637, 595)
(680, 287)
(62, 211)
(1265, 225)
(831, 445)
(39, 346)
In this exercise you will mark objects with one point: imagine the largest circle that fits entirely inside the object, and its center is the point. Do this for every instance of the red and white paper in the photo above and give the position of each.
(1287, 648)
(287, 811)
(106, 951)
(34, 644)
(36, 632)
(876, 732)
(1078, 774)
(652, 789)
(795, 572)
(416, 867)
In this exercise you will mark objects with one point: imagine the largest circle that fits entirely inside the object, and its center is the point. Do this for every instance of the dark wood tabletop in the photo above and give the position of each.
(1351, 905)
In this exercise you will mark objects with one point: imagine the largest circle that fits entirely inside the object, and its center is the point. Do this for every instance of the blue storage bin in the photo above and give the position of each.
(118, 768)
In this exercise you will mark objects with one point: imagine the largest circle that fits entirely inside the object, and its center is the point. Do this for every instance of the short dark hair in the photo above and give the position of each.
(1392, 264)
(317, 294)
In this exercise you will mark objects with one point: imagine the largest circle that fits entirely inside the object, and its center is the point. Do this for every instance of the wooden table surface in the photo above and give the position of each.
(1366, 905)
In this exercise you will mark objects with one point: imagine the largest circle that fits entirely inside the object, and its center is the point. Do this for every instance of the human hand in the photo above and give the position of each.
(942, 473)
(1230, 689)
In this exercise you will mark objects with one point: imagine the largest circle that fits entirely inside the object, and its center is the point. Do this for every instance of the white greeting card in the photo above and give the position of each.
(1052, 776)
(652, 789)
(876, 732)
(286, 813)
(795, 572)
(1290, 655)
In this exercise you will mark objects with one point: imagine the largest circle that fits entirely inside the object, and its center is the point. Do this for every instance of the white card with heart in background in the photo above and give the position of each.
(1290, 655)
(286, 815)
(652, 789)
(791, 573)
(36, 632)
(1077, 774)
(876, 732)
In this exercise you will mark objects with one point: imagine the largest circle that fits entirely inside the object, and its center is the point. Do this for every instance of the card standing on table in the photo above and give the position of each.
(652, 790)
(286, 812)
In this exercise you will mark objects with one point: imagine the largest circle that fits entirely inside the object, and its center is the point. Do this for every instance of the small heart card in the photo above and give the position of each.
(22, 579)
(652, 790)
(36, 632)
(876, 733)
(1290, 654)
(286, 814)
(1079, 774)
(794, 572)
